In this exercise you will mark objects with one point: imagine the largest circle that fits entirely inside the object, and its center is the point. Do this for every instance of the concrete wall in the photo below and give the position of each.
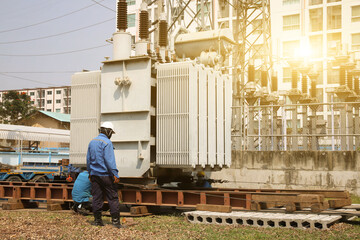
(293, 170)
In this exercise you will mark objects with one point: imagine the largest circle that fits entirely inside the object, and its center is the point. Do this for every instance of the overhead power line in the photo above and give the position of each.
(49, 20)
(58, 34)
(52, 54)
(103, 5)
(26, 79)
(43, 72)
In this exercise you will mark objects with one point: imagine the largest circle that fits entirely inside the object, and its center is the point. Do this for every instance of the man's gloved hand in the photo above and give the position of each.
(116, 180)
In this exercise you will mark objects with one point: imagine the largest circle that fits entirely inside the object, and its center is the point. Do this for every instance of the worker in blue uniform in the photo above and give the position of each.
(81, 194)
(202, 181)
(104, 175)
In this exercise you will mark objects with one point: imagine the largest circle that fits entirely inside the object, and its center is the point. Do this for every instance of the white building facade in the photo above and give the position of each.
(54, 99)
(315, 31)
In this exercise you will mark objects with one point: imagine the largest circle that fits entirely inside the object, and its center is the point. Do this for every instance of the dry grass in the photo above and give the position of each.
(65, 225)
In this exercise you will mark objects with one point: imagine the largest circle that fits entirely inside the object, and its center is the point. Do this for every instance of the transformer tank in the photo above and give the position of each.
(170, 118)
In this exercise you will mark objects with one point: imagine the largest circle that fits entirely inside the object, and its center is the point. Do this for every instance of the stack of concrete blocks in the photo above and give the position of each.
(262, 219)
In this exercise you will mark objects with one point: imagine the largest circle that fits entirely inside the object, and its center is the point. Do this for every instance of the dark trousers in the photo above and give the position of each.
(104, 186)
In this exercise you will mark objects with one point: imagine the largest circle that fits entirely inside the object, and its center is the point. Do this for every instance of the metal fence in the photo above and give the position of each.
(331, 126)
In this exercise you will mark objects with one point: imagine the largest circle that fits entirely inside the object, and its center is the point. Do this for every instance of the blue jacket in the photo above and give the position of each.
(100, 157)
(82, 188)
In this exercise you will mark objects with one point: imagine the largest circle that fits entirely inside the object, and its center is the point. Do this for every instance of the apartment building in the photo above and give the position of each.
(315, 31)
(54, 99)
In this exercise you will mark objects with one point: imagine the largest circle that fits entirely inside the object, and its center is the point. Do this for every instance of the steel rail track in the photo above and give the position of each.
(238, 199)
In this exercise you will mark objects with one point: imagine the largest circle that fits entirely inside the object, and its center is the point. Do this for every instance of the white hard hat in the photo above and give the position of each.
(108, 125)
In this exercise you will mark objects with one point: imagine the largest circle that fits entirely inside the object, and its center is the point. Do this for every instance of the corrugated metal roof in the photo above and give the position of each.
(62, 117)
(19, 132)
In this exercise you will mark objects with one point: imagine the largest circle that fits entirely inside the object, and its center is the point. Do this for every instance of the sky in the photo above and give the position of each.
(29, 62)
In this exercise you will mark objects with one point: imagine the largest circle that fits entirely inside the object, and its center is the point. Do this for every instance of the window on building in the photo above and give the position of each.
(58, 110)
(32, 93)
(333, 75)
(334, 17)
(290, 47)
(49, 110)
(131, 2)
(67, 92)
(333, 44)
(58, 91)
(316, 46)
(315, 2)
(49, 92)
(316, 19)
(42, 93)
(286, 74)
(355, 41)
(49, 101)
(332, 1)
(355, 13)
(291, 22)
(58, 100)
(290, 2)
(131, 20)
(223, 9)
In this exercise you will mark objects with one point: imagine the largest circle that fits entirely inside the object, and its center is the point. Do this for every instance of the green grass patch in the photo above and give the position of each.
(55, 225)
(355, 199)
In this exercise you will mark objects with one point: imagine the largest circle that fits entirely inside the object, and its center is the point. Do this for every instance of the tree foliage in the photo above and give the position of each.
(15, 106)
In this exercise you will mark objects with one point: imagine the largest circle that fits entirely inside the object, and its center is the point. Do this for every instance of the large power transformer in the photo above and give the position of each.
(167, 115)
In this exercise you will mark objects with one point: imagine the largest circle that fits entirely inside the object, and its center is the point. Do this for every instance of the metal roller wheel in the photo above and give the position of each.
(14, 179)
(39, 179)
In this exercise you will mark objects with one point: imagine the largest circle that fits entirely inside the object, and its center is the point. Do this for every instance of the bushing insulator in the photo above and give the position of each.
(163, 39)
(342, 75)
(350, 80)
(251, 73)
(274, 83)
(144, 25)
(313, 89)
(122, 15)
(264, 79)
(356, 85)
(304, 84)
(294, 79)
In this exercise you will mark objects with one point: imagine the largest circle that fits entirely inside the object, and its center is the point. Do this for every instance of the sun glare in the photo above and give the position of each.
(304, 51)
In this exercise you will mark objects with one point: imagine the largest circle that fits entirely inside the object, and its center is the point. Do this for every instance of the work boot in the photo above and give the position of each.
(115, 220)
(98, 221)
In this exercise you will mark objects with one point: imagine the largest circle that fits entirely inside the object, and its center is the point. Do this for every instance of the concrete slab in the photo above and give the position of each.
(257, 219)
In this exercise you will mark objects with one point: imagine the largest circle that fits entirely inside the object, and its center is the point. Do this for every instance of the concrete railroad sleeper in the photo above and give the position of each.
(237, 199)
(257, 219)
